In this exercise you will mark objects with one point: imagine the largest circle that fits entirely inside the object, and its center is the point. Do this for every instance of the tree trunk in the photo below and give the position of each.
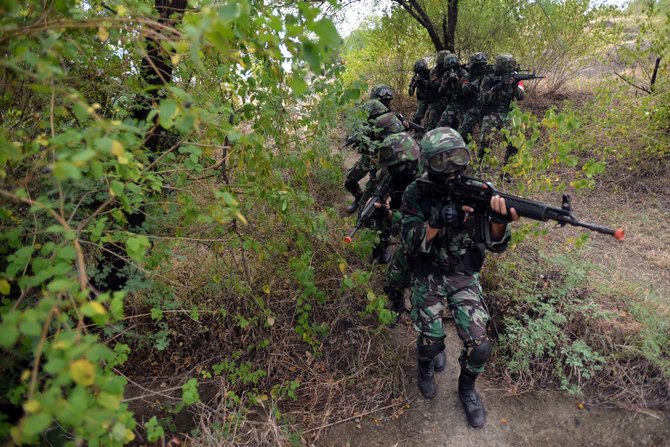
(449, 20)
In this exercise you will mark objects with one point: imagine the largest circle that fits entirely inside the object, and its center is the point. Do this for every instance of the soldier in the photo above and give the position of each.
(399, 155)
(477, 69)
(451, 90)
(446, 254)
(496, 96)
(433, 98)
(365, 138)
(421, 85)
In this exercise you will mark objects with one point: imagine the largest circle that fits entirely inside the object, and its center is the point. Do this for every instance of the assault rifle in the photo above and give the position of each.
(379, 194)
(477, 194)
(416, 127)
(513, 78)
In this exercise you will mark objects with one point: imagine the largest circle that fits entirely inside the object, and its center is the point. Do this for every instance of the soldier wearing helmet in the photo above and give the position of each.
(446, 253)
(496, 96)
(451, 90)
(399, 157)
(380, 122)
(477, 69)
(420, 84)
(433, 97)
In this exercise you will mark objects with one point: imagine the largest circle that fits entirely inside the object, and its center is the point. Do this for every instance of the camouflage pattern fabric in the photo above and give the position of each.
(465, 300)
(496, 99)
(355, 173)
(398, 276)
(472, 108)
(421, 109)
(451, 90)
(438, 266)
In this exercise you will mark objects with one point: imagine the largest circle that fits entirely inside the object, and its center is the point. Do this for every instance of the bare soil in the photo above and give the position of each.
(539, 417)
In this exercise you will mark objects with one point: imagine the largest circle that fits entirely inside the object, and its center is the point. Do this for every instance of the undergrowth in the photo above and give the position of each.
(557, 326)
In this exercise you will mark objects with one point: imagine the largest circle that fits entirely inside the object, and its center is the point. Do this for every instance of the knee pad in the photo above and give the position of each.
(429, 347)
(480, 353)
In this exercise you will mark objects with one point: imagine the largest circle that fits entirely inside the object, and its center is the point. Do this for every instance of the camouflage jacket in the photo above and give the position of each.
(451, 85)
(421, 85)
(470, 89)
(496, 96)
(452, 249)
(433, 91)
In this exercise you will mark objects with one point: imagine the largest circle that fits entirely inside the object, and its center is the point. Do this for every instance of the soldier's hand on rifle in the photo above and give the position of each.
(384, 210)
(500, 216)
(452, 215)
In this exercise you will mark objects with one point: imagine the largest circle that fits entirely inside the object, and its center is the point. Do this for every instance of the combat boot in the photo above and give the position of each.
(474, 407)
(354, 205)
(440, 362)
(427, 378)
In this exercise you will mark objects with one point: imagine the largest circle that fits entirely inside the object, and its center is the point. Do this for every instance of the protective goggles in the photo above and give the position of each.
(449, 161)
(385, 155)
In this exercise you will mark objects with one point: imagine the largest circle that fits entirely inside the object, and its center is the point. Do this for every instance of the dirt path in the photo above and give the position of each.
(540, 418)
(533, 419)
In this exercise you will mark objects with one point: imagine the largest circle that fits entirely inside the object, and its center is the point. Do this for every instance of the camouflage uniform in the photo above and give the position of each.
(433, 98)
(362, 141)
(421, 85)
(442, 272)
(445, 269)
(496, 98)
(399, 155)
(472, 109)
(451, 90)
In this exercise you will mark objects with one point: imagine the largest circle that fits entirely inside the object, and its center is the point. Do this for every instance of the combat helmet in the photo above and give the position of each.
(374, 108)
(400, 154)
(386, 124)
(382, 92)
(450, 61)
(439, 58)
(420, 65)
(505, 63)
(443, 153)
(477, 60)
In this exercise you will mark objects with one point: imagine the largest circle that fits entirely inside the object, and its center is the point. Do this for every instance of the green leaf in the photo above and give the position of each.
(298, 84)
(168, 110)
(35, 424)
(64, 170)
(310, 53)
(136, 247)
(8, 335)
(328, 35)
(190, 392)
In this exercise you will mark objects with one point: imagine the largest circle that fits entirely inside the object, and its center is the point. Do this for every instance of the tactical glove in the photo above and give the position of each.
(448, 216)
(498, 218)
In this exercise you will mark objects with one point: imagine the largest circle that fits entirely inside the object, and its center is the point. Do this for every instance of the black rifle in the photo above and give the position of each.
(413, 126)
(380, 192)
(513, 78)
(477, 194)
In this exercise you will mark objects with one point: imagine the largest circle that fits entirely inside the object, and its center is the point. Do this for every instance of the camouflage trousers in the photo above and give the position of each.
(491, 122)
(355, 173)
(421, 108)
(398, 276)
(451, 117)
(470, 120)
(435, 110)
(465, 300)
